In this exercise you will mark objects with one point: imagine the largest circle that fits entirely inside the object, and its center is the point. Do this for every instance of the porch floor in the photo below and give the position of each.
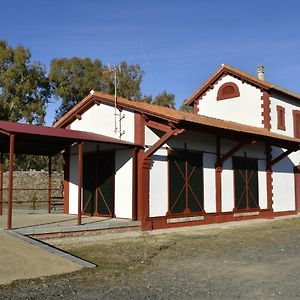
(29, 222)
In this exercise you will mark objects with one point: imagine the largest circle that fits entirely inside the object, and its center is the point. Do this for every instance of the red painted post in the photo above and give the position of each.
(80, 169)
(49, 184)
(134, 183)
(218, 176)
(269, 174)
(145, 192)
(1, 184)
(10, 181)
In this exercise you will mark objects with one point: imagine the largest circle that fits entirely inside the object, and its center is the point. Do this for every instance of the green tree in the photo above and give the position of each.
(186, 108)
(72, 79)
(24, 87)
(165, 99)
(129, 79)
(147, 98)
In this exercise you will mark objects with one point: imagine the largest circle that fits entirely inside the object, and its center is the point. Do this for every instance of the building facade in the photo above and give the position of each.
(235, 157)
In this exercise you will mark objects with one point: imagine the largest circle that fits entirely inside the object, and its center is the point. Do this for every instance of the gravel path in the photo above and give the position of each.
(257, 261)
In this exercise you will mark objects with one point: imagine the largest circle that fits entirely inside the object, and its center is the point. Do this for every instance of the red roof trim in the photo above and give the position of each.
(225, 70)
(180, 119)
(29, 129)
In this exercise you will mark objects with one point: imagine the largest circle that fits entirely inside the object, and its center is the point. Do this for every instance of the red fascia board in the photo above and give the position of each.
(220, 72)
(62, 133)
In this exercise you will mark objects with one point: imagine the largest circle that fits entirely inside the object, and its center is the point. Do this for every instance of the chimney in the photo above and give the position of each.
(261, 72)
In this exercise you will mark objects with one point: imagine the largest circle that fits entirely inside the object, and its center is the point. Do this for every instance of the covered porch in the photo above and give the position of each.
(17, 138)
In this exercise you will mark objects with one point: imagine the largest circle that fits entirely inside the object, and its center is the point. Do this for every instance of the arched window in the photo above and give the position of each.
(228, 90)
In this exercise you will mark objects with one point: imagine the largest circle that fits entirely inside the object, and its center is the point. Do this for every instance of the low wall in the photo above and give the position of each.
(31, 187)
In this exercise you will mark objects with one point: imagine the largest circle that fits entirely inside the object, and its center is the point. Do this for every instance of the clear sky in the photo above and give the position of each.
(178, 44)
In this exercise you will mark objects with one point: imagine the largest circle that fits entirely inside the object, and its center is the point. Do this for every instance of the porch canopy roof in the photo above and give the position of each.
(43, 140)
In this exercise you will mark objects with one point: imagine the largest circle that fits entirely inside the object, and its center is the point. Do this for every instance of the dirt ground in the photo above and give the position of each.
(19, 260)
(260, 260)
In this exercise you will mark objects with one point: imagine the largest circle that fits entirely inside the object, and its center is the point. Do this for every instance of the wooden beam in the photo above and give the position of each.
(159, 143)
(10, 180)
(269, 179)
(218, 177)
(281, 156)
(80, 175)
(97, 102)
(4, 132)
(78, 116)
(231, 152)
(159, 126)
(134, 183)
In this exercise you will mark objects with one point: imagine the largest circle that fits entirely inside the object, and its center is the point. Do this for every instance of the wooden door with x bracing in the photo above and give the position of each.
(98, 184)
(185, 182)
(245, 183)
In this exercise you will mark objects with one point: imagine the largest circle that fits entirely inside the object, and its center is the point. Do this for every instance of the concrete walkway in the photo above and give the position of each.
(22, 257)
(22, 260)
(40, 222)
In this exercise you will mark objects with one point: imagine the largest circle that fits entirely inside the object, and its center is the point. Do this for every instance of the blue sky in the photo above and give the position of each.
(177, 43)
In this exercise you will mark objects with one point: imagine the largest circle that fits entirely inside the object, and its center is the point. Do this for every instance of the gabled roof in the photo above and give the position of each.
(181, 119)
(43, 140)
(246, 77)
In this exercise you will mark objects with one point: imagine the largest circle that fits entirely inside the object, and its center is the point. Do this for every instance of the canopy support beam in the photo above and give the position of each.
(10, 180)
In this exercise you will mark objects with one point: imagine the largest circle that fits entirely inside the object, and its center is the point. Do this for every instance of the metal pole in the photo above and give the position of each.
(1, 184)
(80, 169)
(49, 183)
(10, 181)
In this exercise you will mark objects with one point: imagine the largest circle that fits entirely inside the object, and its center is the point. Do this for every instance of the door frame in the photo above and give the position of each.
(247, 209)
(185, 212)
(297, 187)
(96, 155)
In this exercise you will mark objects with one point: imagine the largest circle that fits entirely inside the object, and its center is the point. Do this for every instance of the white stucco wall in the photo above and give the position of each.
(123, 184)
(262, 184)
(283, 183)
(245, 109)
(283, 177)
(289, 106)
(73, 185)
(101, 119)
(158, 186)
(227, 187)
(209, 182)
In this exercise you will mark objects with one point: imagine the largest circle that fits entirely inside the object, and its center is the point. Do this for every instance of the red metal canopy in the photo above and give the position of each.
(44, 140)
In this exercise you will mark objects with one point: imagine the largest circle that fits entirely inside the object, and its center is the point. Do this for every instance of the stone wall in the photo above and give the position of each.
(31, 187)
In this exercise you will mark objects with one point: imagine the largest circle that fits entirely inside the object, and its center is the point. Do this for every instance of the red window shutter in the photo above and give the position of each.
(296, 117)
(280, 117)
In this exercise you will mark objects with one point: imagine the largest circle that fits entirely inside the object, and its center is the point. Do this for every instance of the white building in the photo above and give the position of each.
(234, 158)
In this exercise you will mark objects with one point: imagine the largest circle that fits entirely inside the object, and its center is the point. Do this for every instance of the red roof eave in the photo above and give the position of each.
(224, 69)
